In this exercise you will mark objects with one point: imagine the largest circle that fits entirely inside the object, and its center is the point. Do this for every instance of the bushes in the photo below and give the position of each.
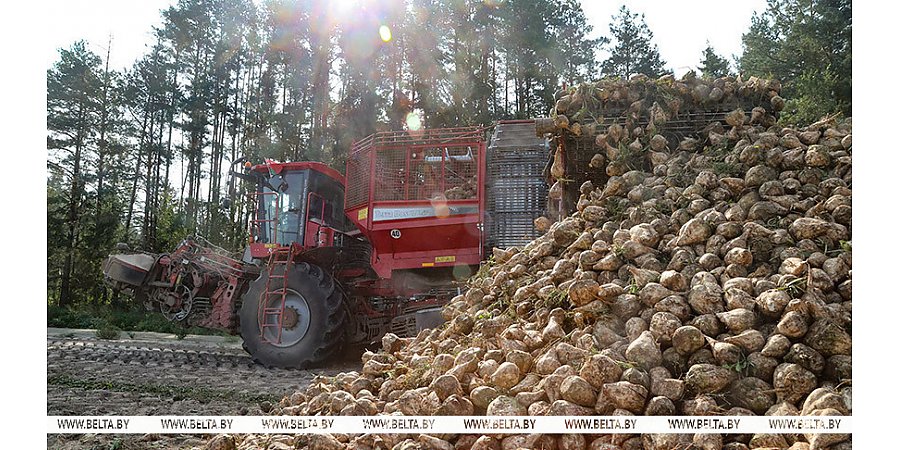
(108, 332)
(814, 98)
(70, 318)
(107, 319)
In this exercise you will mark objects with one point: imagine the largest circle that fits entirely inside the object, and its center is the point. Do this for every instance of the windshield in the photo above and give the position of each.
(280, 211)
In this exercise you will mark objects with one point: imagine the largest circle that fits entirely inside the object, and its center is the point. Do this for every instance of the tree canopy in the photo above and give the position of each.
(141, 155)
(712, 65)
(806, 45)
(633, 50)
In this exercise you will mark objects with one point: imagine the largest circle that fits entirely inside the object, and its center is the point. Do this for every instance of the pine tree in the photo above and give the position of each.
(713, 65)
(573, 56)
(806, 45)
(634, 51)
(74, 91)
(544, 45)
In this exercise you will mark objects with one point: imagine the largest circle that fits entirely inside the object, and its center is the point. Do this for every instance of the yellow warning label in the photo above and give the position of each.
(271, 245)
(362, 214)
(444, 259)
(427, 264)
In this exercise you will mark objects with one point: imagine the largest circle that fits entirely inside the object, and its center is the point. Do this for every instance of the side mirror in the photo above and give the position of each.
(277, 183)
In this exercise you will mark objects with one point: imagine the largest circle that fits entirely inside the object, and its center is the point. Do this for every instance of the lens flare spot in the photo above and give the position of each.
(385, 32)
(413, 122)
(441, 208)
(462, 272)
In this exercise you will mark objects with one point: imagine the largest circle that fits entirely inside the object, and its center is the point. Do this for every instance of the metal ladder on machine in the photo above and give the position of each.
(273, 316)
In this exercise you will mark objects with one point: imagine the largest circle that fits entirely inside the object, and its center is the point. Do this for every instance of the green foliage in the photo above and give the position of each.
(557, 299)
(625, 365)
(634, 51)
(632, 288)
(80, 318)
(572, 55)
(616, 208)
(543, 43)
(108, 332)
(813, 98)
(74, 113)
(796, 287)
(847, 246)
(484, 270)
(713, 65)
(131, 319)
(806, 45)
(172, 225)
(742, 366)
(720, 163)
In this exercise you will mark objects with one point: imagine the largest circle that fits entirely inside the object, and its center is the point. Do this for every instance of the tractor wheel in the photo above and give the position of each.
(313, 325)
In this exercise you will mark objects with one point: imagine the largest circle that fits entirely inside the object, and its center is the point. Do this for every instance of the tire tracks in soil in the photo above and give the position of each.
(89, 376)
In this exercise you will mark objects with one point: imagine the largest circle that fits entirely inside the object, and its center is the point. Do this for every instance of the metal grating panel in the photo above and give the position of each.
(517, 193)
(390, 174)
(404, 325)
(357, 186)
(425, 173)
(579, 152)
(415, 167)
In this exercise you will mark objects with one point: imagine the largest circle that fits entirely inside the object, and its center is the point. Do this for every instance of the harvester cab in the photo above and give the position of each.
(296, 204)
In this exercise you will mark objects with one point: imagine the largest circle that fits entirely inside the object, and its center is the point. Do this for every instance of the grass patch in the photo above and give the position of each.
(105, 318)
(108, 332)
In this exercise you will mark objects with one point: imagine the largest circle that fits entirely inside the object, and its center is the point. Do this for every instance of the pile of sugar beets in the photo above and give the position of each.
(710, 276)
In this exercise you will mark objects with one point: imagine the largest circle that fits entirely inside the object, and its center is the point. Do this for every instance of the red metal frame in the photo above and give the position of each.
(301, 165)
(263, 250)
(449, 241)
(222, 314)
(427, 136)
(208, 272)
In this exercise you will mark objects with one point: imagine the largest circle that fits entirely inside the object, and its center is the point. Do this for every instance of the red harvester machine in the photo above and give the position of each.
(334, 260)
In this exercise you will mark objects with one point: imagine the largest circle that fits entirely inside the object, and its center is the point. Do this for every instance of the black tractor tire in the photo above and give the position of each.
(326, 323)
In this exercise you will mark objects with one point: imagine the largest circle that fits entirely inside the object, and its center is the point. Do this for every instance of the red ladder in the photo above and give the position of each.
(273, 316)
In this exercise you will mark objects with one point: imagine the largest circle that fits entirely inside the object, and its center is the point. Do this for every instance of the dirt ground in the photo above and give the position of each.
(159, 374)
